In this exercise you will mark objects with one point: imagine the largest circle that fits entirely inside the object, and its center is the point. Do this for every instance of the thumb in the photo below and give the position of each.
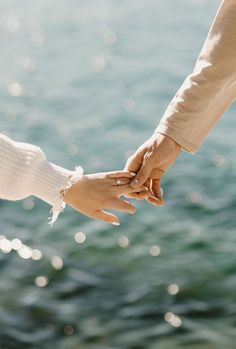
(142, 175)
(134, 163)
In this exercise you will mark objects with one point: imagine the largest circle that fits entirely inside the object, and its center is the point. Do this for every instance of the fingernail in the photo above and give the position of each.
(134, 183)
(162, 191)
(133, 174)
(115, 223)
(154, 201)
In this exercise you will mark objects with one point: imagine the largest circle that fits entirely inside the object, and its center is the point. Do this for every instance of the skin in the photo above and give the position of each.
(93, 194)
(150, 162)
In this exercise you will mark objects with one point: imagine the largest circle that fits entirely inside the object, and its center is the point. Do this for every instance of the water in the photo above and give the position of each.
(88, 82)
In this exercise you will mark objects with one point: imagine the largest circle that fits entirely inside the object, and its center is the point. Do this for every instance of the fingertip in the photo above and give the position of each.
(132, 210)
(114, 220)
(115, 223)
(129, 174)
(155, 201)
(161, 200)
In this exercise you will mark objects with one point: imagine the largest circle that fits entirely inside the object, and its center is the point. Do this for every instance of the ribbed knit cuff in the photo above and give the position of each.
(48, 183)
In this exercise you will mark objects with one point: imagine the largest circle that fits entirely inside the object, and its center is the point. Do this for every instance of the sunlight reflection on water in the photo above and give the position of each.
(88, 82)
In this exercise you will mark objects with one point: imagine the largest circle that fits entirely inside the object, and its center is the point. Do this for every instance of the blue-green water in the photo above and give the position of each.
(92, 80)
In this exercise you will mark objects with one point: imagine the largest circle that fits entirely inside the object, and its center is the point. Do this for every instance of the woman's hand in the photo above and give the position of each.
(94, 193)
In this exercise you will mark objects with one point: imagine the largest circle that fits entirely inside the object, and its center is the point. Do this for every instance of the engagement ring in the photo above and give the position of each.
(118, 181)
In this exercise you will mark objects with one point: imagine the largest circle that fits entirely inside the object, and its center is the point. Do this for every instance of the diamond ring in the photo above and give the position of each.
(118, 181)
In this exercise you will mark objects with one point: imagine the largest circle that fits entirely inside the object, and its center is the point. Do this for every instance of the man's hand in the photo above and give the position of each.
(150, 162)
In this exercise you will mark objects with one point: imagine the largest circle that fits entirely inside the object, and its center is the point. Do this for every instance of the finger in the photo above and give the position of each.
(125, 189)
(106, 217)
(118, 174)
(134, 162)
(123, 205)
(157, 173)
(139, 196)
(148, 185)
(157, 191)
(142, 175)
(156, 188)
(154, 201)
(118, 181)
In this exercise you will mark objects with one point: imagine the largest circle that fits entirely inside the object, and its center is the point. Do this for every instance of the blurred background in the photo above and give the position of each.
(88, 82)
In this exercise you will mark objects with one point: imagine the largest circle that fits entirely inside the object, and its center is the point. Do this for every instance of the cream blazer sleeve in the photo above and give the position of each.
(210, 89)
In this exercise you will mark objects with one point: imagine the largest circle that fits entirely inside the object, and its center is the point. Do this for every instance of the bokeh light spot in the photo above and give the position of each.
(173, 289)
(28, 204)
(36, 254)
(155, 250)
(123, 241)
(25, 252)
(41, 281)
(69, 330)
(99, 64)
(173, 319)
(5, 245)
(80, 237)
(14, 88)
(57, 262)
(13, 24)
(16, 244)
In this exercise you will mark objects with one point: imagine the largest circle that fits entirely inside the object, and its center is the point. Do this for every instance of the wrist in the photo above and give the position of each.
(70, 193)
(167, 139)
(166, 150)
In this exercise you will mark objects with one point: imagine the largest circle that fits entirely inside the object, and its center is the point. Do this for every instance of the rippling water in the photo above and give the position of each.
(88, 82)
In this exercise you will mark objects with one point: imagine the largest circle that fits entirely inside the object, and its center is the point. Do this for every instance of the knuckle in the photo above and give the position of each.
(129, 161)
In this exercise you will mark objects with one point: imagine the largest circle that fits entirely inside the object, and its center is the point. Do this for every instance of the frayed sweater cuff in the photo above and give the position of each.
(49, 183)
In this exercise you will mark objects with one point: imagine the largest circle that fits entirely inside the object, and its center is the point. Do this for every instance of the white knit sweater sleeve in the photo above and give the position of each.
(24, 171)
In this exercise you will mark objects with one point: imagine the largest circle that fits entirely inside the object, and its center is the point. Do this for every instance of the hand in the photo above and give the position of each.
(93, 193)
(150, 162)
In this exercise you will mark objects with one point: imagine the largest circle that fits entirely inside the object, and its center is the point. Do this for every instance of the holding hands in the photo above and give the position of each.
(150, 162)
(93, 194)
